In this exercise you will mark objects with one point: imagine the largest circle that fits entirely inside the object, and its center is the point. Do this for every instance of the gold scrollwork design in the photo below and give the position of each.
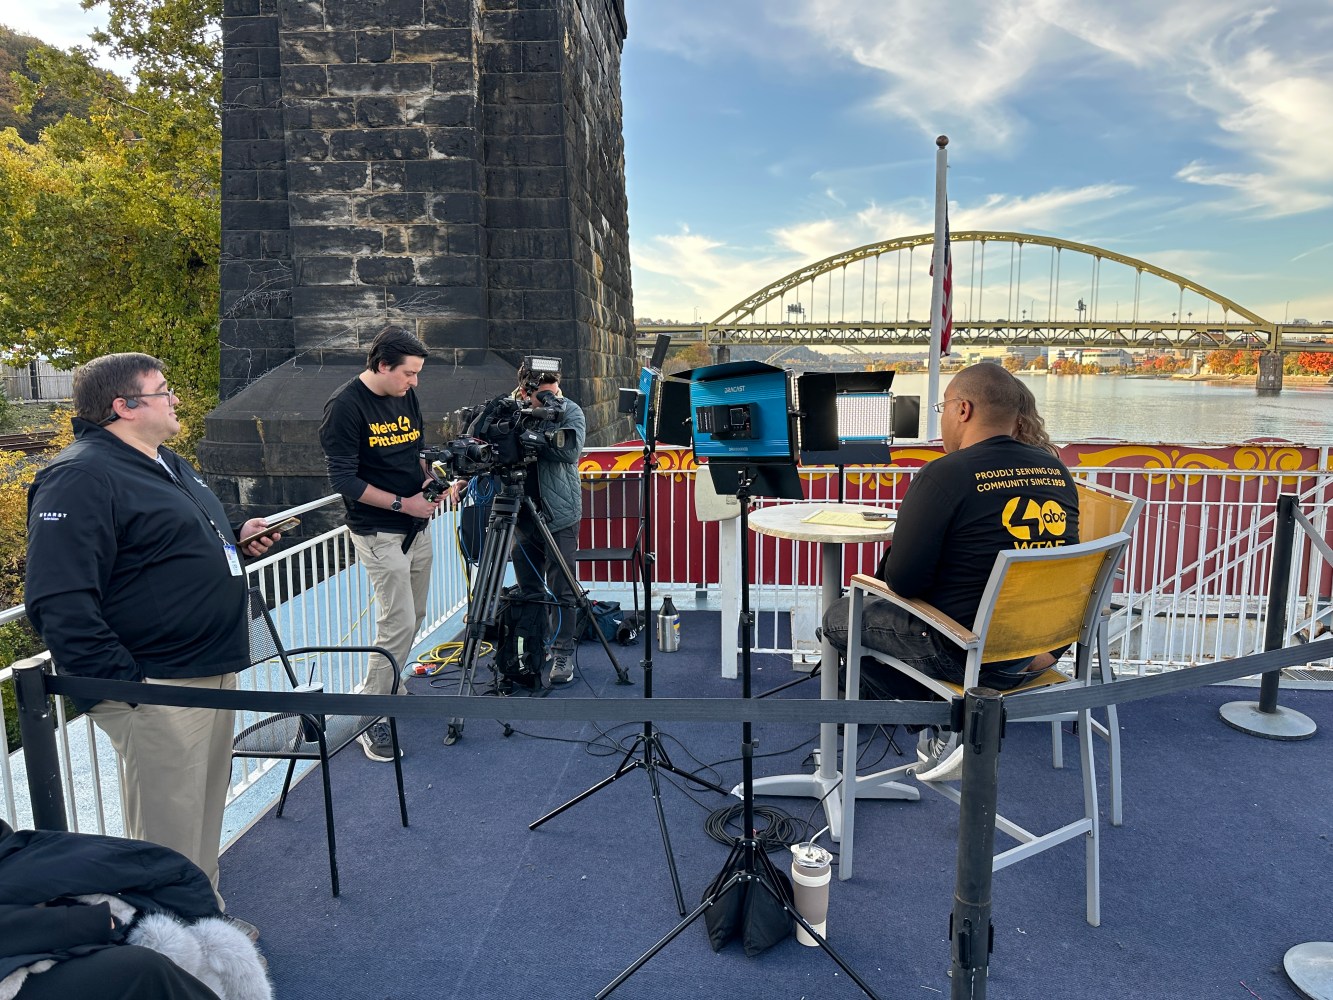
(1250, 459)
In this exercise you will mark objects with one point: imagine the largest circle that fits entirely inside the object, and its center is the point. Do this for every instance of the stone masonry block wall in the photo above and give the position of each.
(451, 166)
(255, 326)
(555, 202)
(382, 137)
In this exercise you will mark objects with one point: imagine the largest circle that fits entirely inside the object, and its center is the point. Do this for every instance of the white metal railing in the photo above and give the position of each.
(1194, 591)
(321, 596)
(1196, 577)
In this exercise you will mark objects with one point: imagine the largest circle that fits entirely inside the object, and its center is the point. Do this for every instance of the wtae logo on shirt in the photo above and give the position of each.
(386, 435)
(1035, 525)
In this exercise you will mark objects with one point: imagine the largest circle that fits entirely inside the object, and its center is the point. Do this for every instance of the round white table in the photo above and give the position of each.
(789, 521)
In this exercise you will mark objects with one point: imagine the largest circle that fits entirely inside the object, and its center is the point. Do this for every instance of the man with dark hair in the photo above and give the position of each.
(989, 492)
(372, 440)
(133, 574)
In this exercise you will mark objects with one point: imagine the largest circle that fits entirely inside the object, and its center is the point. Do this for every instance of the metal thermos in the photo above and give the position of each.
(308, 732)
(668, 627)
(811, 869)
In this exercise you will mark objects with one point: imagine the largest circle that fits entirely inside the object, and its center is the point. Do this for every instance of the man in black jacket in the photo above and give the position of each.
(133, 573)
(988, 492)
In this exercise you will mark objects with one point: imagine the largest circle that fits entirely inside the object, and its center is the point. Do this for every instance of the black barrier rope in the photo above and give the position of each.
(617, 710)
(1137, 688)
(791, 710)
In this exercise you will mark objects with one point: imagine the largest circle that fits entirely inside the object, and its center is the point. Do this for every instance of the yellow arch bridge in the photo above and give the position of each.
(1009, 290)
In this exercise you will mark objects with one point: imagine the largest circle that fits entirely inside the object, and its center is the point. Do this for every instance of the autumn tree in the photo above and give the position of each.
(109, 222)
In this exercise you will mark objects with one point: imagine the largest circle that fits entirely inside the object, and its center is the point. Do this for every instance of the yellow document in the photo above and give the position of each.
(851, 518)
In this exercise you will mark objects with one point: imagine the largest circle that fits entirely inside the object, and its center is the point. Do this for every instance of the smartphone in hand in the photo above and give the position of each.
(273, 529)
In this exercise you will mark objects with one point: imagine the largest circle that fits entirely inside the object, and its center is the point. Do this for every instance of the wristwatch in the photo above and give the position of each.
(397, 503)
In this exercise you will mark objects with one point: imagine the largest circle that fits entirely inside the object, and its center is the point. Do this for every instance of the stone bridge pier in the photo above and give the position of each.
(455, 167)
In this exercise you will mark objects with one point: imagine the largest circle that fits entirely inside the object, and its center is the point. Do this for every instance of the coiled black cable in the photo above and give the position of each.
(777, 833)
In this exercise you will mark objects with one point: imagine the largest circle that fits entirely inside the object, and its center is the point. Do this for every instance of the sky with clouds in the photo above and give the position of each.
(764, 135)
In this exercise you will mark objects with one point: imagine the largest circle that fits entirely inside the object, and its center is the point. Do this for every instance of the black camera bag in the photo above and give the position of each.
(518, 618)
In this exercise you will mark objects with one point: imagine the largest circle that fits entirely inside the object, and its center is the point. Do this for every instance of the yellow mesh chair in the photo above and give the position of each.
(1036, 600)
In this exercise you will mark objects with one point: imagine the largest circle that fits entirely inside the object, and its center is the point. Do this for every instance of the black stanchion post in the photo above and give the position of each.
(1275, 626)
(1267, 718)
(39, 746)
(970, 933)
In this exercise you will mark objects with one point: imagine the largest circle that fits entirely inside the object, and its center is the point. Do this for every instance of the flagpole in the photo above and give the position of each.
(937, 287)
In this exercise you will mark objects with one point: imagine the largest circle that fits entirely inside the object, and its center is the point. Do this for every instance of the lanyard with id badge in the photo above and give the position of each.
(228, 548)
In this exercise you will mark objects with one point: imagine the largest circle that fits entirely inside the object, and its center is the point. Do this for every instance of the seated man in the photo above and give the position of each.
(987, 493)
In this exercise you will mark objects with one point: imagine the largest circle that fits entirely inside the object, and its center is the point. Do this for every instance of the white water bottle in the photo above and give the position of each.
(811, 869)
(668, 627)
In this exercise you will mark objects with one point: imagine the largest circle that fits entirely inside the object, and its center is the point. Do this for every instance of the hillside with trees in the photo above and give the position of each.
(49, 108)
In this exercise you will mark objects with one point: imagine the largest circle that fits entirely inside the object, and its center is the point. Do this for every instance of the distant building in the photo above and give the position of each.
(1107, 357)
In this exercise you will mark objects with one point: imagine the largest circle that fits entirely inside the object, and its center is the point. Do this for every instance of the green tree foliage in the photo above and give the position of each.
(109, 222)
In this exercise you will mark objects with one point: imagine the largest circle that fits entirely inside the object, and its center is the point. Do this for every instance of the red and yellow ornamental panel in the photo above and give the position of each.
(1199, 498)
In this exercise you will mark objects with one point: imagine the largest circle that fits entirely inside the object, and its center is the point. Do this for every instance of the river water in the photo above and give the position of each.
(1171, 411)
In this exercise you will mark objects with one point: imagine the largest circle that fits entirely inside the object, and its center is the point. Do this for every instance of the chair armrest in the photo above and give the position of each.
(931, 615)
(296, 650)
(397, 680)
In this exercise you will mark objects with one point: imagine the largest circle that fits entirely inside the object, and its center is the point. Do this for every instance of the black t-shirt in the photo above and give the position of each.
(964, 508)
(377, 441)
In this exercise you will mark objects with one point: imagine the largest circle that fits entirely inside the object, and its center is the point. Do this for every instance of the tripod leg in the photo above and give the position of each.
(734, 879)
(627, 763)
(664, 761)
(767, 877)
(486, 597)
(656, 787)
(580, 595)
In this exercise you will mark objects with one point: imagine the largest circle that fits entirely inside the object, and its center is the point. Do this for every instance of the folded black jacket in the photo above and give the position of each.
(38, 866)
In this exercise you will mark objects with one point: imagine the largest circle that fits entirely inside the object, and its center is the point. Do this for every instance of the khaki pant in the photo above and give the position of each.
(402, 582)
(177, 770)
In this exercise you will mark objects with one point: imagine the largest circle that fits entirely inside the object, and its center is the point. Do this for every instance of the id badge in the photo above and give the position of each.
(233, 560)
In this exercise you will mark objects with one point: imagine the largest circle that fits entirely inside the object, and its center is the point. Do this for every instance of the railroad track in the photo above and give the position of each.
(29, 442)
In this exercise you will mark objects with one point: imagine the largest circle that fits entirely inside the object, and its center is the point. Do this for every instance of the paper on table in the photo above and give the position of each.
(849, 518)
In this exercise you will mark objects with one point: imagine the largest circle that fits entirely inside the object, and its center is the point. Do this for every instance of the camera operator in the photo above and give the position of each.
(553, 483)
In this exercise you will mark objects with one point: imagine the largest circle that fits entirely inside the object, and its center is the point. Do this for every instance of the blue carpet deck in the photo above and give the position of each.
(1222, 864)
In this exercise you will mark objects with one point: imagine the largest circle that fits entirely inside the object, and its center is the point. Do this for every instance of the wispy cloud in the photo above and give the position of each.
(711, 275)
(1262, 77)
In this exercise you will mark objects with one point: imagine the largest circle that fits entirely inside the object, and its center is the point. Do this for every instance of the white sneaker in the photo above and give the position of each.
(940, 757)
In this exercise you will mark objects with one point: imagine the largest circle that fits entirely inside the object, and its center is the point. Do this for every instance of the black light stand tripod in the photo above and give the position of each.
(654, 754)
(749, 865)
(485, 601)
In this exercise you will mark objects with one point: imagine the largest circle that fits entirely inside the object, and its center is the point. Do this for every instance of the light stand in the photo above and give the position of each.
(753, 870)
(654, 754)
(484, 604)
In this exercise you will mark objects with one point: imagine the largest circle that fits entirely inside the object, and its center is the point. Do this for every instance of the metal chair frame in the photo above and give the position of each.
(1071, 583)
(294, 736)
(629, 508)
(1103, 511)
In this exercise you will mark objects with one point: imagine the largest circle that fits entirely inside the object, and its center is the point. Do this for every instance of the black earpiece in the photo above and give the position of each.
(131, 403)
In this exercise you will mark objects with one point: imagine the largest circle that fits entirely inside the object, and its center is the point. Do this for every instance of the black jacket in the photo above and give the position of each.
(39, 866)
(127, 576)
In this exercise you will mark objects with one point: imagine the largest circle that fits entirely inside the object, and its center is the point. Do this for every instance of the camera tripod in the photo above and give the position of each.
(748, 867)
(485, 602)
(649, 742)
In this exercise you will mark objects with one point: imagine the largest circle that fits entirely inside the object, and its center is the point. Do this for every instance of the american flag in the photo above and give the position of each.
(946, 299)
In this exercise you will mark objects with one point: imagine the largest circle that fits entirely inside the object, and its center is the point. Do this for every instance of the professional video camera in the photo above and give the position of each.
(504, 434)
